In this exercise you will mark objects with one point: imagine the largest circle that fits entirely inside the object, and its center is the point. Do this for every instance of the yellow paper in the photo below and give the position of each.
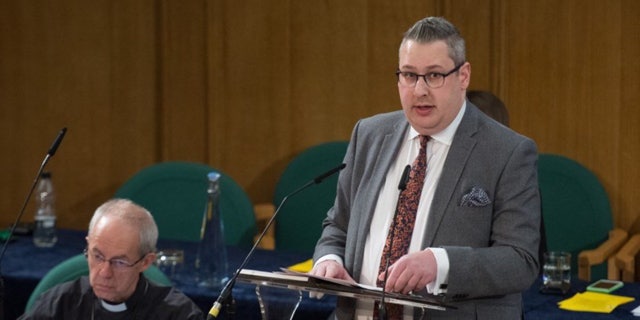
(593, 302)
(304, 266)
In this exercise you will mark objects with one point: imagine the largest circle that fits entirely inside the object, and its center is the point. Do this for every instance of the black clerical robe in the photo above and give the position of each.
(75, 300)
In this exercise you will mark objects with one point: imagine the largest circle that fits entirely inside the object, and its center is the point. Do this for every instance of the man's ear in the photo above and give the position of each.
(148, 260)
(465, 75)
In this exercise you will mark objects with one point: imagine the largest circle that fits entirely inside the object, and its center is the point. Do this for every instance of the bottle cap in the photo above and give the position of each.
(213, 176)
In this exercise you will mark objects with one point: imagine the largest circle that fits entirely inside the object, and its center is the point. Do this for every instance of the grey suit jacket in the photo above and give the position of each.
(492, 246)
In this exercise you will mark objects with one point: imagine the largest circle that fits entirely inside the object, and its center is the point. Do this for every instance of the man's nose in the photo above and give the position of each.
(421, 87)
(105, 269)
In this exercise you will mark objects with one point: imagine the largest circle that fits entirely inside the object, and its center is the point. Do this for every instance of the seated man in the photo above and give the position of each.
(121, 244)
(490, 104)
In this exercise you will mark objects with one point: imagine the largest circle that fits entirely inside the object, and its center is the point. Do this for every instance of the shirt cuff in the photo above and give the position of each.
(334, 257)
(439, 286)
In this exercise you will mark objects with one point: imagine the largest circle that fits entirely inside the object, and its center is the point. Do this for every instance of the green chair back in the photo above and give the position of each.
(299, 222)
(76, 267)
(575, 208)
(176, 193)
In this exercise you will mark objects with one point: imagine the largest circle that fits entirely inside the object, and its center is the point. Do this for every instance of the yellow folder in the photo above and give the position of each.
(593, 302)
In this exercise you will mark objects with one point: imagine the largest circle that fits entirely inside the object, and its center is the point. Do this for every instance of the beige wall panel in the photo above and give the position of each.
(244, 86)
(627, 162)
(134, 89)
(476, 20)
(62, 68)
(250, 108)
(329, 69)
(183, 80)
(565, 85)
(386, 23)
(288, 75)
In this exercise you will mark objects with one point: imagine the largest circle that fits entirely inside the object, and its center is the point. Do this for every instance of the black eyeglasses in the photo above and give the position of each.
(117, 264)
(433, 80)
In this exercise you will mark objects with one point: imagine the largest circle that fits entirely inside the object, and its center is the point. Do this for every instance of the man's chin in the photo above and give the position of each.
(105, 294)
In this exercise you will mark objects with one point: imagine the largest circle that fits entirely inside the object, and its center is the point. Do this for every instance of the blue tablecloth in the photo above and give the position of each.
(545, 306)
(24, 265)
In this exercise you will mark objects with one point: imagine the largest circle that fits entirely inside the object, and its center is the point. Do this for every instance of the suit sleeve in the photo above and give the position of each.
(335, 226)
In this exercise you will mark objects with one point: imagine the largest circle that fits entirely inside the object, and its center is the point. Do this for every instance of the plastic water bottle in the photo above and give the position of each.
(211, 262)
(44, 233)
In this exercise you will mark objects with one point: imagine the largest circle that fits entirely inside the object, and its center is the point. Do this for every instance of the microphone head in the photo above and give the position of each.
(329, 173)
(404, 179)
(56, 143)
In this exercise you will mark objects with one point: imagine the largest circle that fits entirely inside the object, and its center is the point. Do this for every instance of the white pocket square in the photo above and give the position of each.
(477, 197)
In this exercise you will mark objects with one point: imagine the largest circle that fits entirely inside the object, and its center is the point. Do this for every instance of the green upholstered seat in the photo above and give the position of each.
(299, 222)
(176, 193)
(76, 267)
(575, 208)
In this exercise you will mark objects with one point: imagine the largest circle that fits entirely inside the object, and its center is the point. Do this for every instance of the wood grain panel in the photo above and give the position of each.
(307, 73)
(250, 89)
(244, 86)
(62, 68)
(475, 19)
(566, 83)
(386, 24)
(626, 161)
(183, 80)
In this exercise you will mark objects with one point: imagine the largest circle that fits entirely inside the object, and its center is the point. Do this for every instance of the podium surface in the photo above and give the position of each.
(309, 283)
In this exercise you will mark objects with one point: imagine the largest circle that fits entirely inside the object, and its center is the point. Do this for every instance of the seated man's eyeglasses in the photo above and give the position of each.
(117, 264)
(433, 80)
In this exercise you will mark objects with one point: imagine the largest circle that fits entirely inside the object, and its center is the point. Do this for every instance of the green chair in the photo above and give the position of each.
(577, 215)
(176, 192)
(76, 267)
(299, 222)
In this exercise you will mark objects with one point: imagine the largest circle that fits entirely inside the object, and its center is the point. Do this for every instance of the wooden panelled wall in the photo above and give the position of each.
(245, 85)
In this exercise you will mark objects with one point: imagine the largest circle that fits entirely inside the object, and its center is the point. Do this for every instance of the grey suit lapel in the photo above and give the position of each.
(387, 151)
(461, 147)
(389, 148)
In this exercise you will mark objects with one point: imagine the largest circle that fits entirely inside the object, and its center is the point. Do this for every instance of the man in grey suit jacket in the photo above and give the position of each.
(476, 235)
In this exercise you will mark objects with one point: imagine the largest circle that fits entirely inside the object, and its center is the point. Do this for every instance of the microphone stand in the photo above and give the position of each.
(226, 291)
(382, 307)
(52, 151)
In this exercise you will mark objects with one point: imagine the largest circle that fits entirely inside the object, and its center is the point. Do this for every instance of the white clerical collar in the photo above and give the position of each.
(114, 307)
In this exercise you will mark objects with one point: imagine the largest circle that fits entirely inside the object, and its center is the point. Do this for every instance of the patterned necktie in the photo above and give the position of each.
(404, 222)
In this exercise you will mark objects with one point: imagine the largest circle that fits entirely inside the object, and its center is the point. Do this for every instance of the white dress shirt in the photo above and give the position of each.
(437, 150)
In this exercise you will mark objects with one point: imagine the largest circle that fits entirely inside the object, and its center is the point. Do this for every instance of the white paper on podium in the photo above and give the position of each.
(337, 281)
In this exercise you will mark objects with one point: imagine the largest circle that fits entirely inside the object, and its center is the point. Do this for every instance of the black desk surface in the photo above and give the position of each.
(24, 265)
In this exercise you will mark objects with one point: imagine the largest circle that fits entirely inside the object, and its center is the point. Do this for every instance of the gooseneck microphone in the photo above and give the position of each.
(56, 144)
(226, 291)
(50, 153)
(382, 307)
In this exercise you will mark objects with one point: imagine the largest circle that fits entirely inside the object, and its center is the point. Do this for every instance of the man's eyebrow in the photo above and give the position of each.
(119, 257)
(412, 68)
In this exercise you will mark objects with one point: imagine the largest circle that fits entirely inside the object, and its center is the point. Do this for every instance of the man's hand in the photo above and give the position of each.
(412, 272)
(329, 269)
